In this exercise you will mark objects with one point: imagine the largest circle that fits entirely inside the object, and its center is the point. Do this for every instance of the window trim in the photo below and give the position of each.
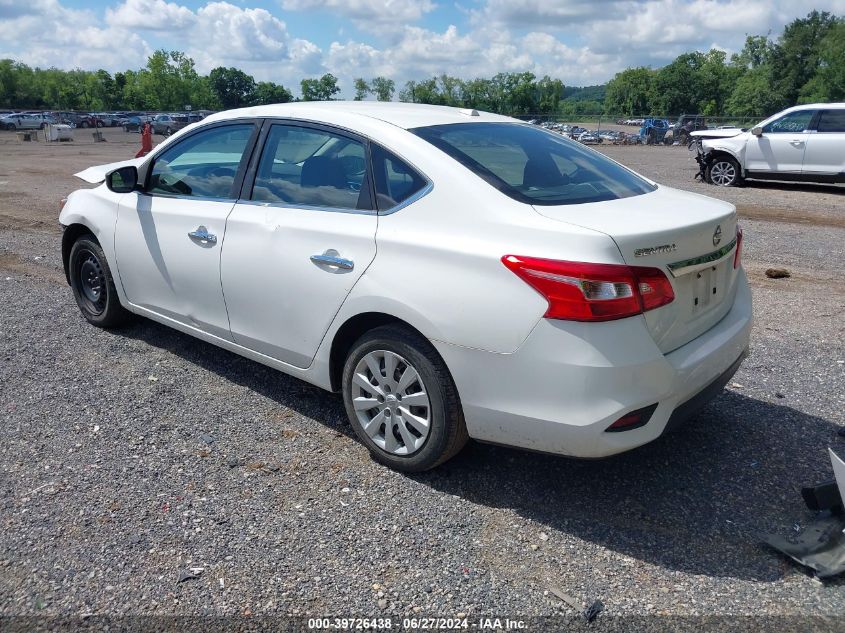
(248, 182)
(249, 150)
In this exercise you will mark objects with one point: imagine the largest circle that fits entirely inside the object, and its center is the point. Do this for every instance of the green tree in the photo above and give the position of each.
(796, 57)
(233, 87)
(322, 89)
(269, 92)
(630, 92)
(362, 89)
(550, 92)
(828, 84)
(383, 88)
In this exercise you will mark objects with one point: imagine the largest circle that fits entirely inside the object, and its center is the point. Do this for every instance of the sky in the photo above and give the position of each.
(581, 42)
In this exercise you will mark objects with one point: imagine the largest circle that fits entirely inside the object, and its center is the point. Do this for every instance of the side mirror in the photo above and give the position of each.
(123, 180)
(757, 131)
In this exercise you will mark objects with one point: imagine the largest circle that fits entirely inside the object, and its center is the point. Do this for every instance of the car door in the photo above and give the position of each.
(825, 153)
(168, 237)
(780, 149)
(298, 240)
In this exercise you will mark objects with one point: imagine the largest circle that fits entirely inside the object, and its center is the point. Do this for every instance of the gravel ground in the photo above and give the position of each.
(127, 457)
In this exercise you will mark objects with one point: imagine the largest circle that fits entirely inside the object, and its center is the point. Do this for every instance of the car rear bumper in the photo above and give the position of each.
(569, 381)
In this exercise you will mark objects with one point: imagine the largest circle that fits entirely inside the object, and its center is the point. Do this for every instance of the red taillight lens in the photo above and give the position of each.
(579, 291)
(738, 251)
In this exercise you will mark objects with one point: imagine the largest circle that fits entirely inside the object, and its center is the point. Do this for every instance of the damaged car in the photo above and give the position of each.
(801, 144)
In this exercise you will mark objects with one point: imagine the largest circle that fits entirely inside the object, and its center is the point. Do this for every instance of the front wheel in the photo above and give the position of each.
(724, 172)
(401, 400)
(93, 285)
(84, 124)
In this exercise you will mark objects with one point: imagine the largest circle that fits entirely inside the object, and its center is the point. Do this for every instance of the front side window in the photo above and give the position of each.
(395, 180)
(832, 121)
(534, 166)
(790, 123)
(302, 166)
(203, 165)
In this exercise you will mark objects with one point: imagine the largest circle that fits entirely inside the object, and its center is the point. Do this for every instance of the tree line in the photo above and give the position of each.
(806, 63)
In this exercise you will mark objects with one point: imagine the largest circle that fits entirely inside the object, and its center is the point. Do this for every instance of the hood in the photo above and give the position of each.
(725, 133)
(97, 173)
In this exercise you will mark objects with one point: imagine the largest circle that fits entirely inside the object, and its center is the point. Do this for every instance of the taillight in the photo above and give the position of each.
(579, 291)
(738, 251)
(62, 204)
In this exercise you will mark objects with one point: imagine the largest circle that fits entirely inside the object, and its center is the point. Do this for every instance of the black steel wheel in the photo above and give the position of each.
(92, 284)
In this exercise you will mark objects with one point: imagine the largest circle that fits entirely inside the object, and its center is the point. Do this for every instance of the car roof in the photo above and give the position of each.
(816, 106)
(403, 115)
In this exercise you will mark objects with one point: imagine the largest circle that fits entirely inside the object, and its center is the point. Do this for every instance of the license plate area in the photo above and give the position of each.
(709, 286)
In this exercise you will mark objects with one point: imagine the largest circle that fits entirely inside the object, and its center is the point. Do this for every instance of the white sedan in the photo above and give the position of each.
(453, 273)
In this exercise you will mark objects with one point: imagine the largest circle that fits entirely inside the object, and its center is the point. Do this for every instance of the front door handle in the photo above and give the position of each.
(332, 258)
(797, 142)
(202, 234)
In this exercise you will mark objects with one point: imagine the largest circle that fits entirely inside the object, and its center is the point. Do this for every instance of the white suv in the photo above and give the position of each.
(805, 143)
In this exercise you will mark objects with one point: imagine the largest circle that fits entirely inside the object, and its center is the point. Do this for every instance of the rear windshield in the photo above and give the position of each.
(533, 165)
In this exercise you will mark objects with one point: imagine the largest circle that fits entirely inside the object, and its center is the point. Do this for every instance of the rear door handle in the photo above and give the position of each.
(332, 258)
(202, 234)
(797, 142)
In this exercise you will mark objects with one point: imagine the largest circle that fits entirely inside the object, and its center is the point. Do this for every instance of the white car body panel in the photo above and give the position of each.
(268, 275)
(435, 264)
(776, 152)
(165, 271)
(825, 153)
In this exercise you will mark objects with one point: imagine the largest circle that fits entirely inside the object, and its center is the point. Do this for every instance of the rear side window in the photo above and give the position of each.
(312, 167)
(832, 121)
(395, 180)
(534, 166)
(203, 165)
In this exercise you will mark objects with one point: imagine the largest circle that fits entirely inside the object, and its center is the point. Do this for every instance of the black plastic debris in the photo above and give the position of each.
(592, 612)
(821, 546)
(823, 496)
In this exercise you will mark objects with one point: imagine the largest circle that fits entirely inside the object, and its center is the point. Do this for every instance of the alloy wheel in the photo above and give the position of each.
(723, 173)
(391, 402)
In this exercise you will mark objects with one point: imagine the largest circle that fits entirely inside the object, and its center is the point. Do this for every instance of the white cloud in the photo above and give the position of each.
(154, 15)
(367, 13)
(241, 34)
(49, 34)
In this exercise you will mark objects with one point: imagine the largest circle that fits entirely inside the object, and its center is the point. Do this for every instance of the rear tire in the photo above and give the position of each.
(384, 366)
(724, 171)
(93, 285)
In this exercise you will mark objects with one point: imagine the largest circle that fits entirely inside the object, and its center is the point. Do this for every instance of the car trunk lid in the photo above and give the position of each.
(691, 238)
